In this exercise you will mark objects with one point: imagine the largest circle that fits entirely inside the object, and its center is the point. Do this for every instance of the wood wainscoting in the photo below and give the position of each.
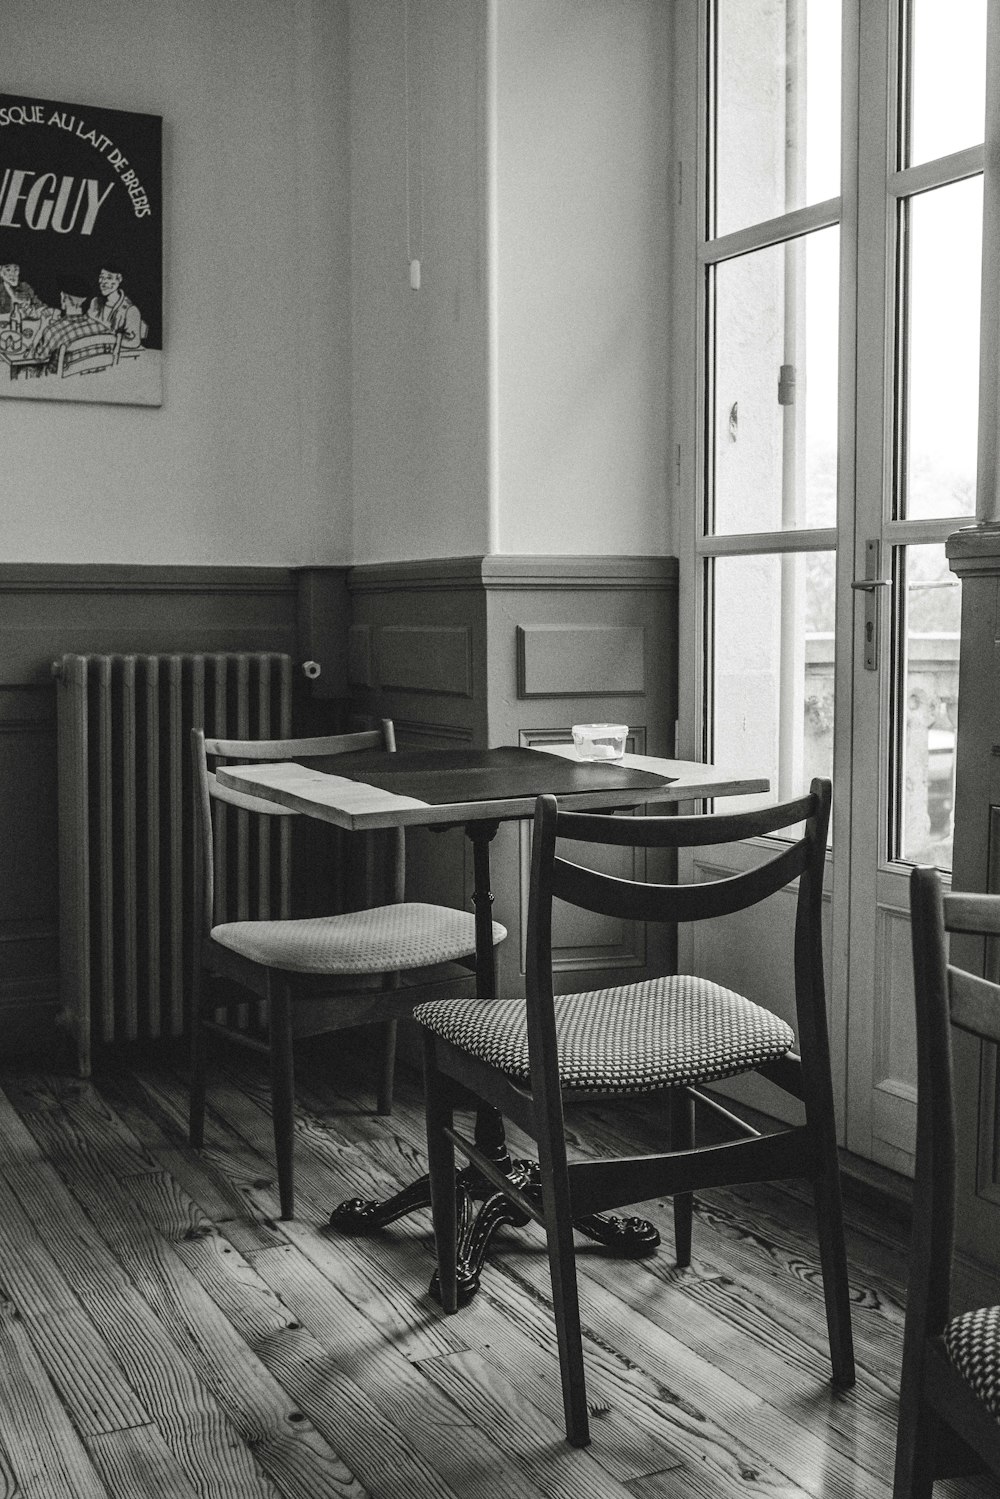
(48, 610)
(485, 651)
(463, 651)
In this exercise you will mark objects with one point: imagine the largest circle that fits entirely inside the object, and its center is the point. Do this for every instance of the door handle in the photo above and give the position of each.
(869, 585)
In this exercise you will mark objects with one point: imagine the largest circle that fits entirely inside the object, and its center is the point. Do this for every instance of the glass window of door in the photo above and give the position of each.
(771, 268)
(832, 258)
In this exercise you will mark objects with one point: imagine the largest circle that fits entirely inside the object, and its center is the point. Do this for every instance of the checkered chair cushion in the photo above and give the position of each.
(383, 939)
(635, 1038)
(972, 1342)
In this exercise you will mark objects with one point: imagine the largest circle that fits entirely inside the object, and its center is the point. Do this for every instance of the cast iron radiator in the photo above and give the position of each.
(126, 859)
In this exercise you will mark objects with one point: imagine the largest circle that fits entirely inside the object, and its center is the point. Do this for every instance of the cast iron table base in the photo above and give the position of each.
(625, 1238)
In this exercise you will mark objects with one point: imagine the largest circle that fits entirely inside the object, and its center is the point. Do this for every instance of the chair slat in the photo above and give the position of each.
(976, 914)
(636, 901)
(683, 832)
(286, 749)
(974, 1003)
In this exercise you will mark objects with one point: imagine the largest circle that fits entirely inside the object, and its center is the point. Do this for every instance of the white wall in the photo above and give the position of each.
(420, 406)
(248, 459)
(583, 178)
(315, 408)
(517, 403)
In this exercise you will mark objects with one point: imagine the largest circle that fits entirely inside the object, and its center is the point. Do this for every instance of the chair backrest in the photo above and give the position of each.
(554, 877)
(262, 879)
(945, 996)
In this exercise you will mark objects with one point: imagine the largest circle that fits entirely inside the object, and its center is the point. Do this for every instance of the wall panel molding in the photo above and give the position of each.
(410, 735)
(103, 578)
(580, 660)
(425, 658)
(514, 572)
(50, 609)
(359, 656)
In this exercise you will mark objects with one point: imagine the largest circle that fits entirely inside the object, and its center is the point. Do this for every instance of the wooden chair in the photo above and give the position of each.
(293, 966)
(949, 1398)
(672, 1034)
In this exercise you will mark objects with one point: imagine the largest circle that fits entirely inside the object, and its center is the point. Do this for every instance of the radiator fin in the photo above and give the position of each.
(125, 830)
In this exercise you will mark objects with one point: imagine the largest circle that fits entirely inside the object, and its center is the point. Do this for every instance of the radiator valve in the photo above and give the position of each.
(311, 670)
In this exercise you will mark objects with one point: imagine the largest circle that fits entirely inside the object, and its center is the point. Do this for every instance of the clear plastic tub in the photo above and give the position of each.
(600, 741)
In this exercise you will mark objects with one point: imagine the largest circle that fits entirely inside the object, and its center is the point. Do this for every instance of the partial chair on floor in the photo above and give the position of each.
(949, 1398)
(311, 975)
(670, 1034)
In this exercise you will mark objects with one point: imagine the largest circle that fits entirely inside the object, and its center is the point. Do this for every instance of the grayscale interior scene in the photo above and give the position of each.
(500, 727)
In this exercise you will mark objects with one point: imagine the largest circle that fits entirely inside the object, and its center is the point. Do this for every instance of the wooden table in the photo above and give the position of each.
(479, 789)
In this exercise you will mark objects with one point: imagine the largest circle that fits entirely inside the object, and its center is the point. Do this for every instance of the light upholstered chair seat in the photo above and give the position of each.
(636, 1038)
(972, 1341)
(381, 939)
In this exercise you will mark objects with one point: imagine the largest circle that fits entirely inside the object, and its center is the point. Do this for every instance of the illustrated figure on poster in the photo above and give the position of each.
(116, 311)
(64, 328)
(16, 297)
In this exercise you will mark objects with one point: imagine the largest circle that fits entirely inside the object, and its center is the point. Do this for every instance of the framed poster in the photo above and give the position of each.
(81, 253)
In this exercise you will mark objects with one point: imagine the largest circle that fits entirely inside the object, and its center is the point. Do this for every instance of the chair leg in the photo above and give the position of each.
(388, 1075)
(830, 1230)
(283, 1095)
(441, 1165)
(199, 1064)
(557, 1208)
(836, 1286)
(682, 1138)
(915, 1438)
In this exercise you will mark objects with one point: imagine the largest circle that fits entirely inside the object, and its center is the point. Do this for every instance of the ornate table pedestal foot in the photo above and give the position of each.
(362, 1214)
(625, 1238)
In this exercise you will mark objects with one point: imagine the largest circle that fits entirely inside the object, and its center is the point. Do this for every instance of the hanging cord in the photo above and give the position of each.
(412, 261)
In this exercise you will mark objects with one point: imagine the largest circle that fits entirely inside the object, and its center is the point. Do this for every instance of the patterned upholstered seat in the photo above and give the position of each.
(973, 1345)
(381, 939)
(636, 1038)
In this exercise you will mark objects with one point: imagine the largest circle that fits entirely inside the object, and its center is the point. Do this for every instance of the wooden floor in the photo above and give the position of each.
(163, 1335)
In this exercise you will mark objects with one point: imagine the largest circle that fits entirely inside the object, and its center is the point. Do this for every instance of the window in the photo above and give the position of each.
(784, 401)
(771, 275)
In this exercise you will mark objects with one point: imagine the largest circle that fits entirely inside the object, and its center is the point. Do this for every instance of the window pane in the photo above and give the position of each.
(774, 444)
(947, 77)
(941, 350)
(772, 634)
(928, 707)
(777, 108)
